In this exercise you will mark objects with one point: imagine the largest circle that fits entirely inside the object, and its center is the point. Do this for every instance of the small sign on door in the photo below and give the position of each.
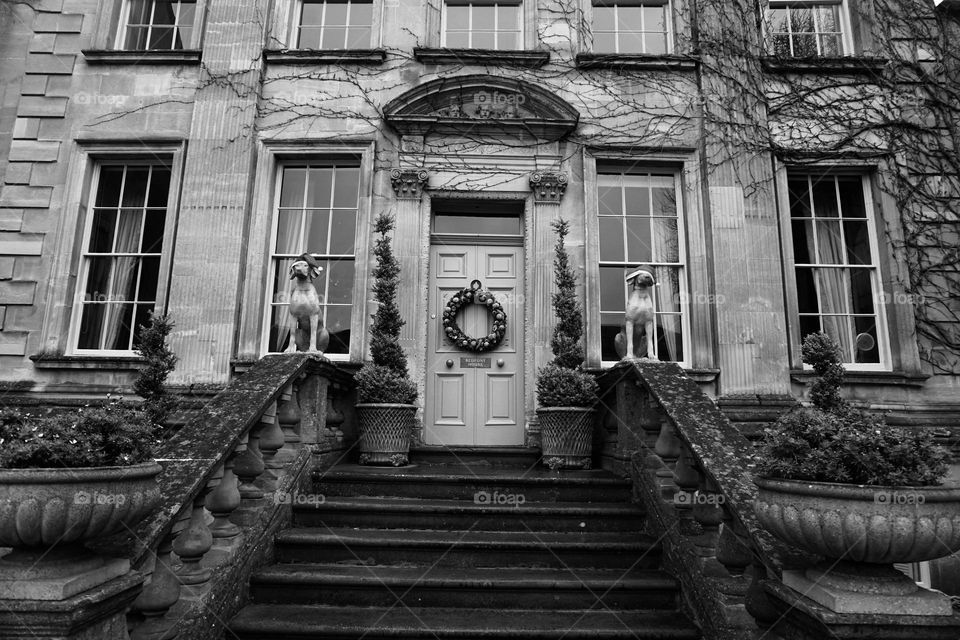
(474, 363)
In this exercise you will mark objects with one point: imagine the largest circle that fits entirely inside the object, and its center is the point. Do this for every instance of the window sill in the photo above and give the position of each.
(325, 56)
(101, 363)
(525, 58)
(825, 66)
(111, 56)
(636, 62)
(892, 378)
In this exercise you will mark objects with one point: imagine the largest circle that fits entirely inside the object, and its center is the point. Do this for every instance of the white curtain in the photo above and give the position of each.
(123, 287)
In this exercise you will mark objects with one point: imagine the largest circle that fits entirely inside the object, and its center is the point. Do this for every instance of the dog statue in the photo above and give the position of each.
(640, 316)
(304, 306)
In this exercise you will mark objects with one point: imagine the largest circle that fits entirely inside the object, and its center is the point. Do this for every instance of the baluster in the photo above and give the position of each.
(224, 500)
(687, 479)
(334, 418)
(194, 542)
(668, 449)
(288, 414)
(161, 593)
(709, 515)
(731, 551)
(249, 465)
(271, 438)
(651, 417)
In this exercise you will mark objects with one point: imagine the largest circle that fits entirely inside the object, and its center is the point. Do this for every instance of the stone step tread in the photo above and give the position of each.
(627, 541)
(465, 474)
(431, 505)
(317, 621)
(378, 576)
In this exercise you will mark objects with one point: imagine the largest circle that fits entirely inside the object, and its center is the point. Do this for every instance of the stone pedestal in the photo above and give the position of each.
(795, 617)
(861, 588)
(95, 614)
(55, 574)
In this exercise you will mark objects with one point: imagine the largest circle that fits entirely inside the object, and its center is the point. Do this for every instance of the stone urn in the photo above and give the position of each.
(864, 530)
(47, 514)
(385, 431)
(566, 435)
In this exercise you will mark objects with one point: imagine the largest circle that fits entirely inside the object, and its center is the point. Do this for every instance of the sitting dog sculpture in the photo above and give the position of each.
(305, 308)
(640, 316)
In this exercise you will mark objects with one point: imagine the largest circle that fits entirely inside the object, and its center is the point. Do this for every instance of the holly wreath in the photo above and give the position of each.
(474, 294)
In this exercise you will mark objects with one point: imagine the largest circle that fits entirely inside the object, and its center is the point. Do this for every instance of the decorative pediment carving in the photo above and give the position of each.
(482, 104)
(408, 183)
(548, 187)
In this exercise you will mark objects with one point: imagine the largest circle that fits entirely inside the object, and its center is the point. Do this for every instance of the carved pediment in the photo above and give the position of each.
(483, 104)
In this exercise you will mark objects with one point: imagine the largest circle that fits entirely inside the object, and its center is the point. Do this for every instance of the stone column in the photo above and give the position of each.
(215, 209)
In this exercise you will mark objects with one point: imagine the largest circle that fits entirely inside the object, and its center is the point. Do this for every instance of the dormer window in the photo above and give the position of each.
(803, 29)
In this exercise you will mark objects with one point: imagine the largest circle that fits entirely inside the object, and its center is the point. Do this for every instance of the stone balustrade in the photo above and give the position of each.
(227, 483)
(691, 470)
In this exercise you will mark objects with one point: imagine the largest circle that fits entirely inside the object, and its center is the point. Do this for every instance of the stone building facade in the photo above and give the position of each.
(177, 155)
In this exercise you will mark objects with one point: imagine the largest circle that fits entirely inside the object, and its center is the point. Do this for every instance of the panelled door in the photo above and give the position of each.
(475, 398)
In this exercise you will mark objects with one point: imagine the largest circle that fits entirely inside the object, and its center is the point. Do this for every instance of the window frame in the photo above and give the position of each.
(120, 25)
(297, 25)
(881, 292)
(846, 26)
(521, 21)
(74, 245)
(286, 32)
(670, 22)
(272, 254)
(273, 155)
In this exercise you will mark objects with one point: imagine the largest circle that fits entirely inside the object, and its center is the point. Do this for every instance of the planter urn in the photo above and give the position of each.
(385, 432)
(46, 516)
(566, 437)
(863, 530)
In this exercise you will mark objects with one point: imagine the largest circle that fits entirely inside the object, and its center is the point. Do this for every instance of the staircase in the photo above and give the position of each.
(465, 544)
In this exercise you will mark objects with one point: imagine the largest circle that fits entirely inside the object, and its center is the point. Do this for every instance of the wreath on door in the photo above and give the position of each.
(474, 294)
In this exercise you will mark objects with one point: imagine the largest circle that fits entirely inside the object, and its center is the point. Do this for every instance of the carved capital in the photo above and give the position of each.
(408, 183)
(548, 187)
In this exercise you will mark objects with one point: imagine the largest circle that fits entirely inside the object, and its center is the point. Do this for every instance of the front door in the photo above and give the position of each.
(475, 398)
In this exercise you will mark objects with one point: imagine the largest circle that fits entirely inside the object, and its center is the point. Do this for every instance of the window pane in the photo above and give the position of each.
(128, 231)
(153, 232)
(141, 319)
(669, 337)
(135, 187)
(291, 194)
(867, 344)
(639, 244)
(149, 279)
(91, 326)
(861, 291)
(668, 288)
(840, 328)
(778, 20)
(98, 280)
(159, 187)
(830, 242)
(108, 190)
(603, 19)
(654, 19)
(288, 231)
(310, 38)
(312, 14)
(637, 201)
(485, 40)
(604, 43)
(124, 285)
(806, 291)
(808, 325)
(161, 38)
(666, 240)
(830, 45)
(804, 46)
(833, 290)
(611, 239)
(612, 290)
(358, 38)
(802, 240)
(334, 38)
(319, 186)
(338, 325)
(609, 200)
(801, 20)
(851, 197)
(799, 198)
(610, 325)
(347, 186)
(828, 18)
(858, 242)
(483, 17)
(140, 11)
(824, 198)
(507, 17)
(343, 233)
(119, 327)
(630, 42)
(664, 201)
(164, 13)
(361, 14)
(629, 18)
(318, 222)
(508, 41)
(340, 281)
(336, 15)
(101, 231)
(781, 46)
(655, 43)
(458, 17)
(458, 40)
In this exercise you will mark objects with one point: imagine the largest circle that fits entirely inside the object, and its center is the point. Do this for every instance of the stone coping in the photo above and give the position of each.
(636, 62)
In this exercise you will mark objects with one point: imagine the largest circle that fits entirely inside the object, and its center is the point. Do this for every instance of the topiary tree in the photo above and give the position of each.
(149, 384)
(823, 354)
(566, 347)
(385, 347)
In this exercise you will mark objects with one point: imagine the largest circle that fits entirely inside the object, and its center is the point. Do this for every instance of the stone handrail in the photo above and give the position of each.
(691, 469)
(224, 477)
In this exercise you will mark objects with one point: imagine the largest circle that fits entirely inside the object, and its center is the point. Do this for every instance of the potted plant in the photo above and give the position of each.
(385, 393)
(565, 393)
(841, 483)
